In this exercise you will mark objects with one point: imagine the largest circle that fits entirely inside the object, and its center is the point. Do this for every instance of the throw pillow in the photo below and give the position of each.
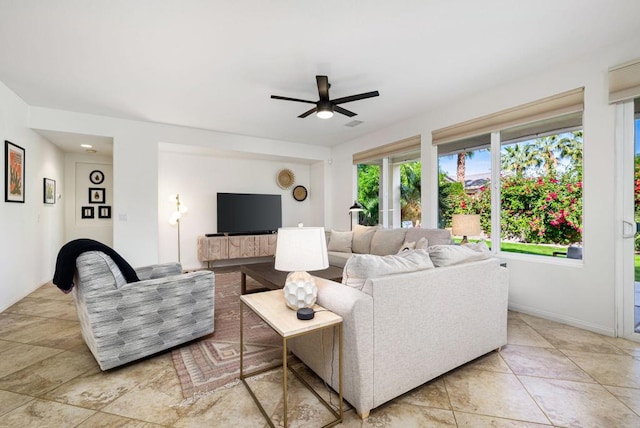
(387, 241)
(448, 255)
(480, 247)
(422, 244)
(362, 236)
(340, 241)
(360, 267)
(407, 246)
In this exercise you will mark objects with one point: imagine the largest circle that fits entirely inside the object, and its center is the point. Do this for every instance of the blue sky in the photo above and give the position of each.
(480, 164)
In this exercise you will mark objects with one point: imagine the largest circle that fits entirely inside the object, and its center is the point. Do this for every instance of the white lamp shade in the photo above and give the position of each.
(465, 225)
(301, 249)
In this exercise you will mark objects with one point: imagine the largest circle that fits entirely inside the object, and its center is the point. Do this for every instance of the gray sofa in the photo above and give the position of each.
(402, 330)
(122, 322)
(378, 241)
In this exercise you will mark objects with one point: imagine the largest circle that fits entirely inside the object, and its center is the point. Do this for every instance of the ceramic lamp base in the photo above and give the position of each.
(300, 290)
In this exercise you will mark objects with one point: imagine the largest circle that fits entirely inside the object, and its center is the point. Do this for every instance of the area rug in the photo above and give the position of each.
(214, 361)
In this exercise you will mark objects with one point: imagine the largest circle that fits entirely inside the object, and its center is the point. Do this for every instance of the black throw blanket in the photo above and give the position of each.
(66, 262)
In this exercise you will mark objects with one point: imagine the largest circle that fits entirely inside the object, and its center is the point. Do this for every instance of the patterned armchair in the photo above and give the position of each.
(122, 322)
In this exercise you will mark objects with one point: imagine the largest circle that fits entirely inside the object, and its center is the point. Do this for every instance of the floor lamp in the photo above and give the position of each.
(355, 208)
(181, 209)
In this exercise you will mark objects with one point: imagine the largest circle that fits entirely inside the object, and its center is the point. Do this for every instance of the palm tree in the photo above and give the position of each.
(461, 165)
(411, 191)
(518, 158)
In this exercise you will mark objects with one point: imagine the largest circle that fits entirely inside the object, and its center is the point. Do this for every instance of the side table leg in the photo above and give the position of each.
(243, 283)
(284, 380)
(241, 342)
(340, 368)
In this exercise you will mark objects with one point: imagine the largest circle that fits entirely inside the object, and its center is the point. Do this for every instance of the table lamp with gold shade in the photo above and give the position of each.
(301, 249)
(465, 225)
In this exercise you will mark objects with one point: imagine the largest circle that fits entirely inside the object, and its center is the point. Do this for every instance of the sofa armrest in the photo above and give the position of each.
(319, 351)
(158, 270)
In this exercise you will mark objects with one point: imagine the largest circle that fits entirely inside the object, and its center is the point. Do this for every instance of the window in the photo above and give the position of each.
(389, 184)
(533, 154)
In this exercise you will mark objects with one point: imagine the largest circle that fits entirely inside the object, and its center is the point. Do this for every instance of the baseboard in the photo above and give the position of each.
(563, 319)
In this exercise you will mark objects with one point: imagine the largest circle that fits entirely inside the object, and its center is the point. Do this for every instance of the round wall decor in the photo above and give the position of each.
(300, 193)
(96, 176)
(285, 178)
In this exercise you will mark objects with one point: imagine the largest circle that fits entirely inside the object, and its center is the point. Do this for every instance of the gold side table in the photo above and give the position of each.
(271, 307)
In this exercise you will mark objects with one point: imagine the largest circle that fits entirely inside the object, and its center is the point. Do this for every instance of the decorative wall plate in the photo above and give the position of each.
(299, 193)
(96, 176)
(285, 178)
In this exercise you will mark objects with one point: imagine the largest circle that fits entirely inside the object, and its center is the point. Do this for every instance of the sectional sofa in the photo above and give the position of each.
(443, 307)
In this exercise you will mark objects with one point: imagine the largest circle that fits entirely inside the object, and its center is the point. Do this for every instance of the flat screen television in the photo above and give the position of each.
(249, 213)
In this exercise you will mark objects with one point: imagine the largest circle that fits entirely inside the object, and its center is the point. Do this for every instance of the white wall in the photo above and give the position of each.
(199, 177)
(31, 233)
(578, 294)
(135, 168)
(77, 169)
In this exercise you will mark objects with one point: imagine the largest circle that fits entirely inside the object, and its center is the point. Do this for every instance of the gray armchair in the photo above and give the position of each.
(122, 322)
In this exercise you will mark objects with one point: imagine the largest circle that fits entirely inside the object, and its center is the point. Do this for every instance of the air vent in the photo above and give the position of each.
(353, 123)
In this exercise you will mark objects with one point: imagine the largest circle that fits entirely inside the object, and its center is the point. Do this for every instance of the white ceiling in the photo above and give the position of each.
(213, 64)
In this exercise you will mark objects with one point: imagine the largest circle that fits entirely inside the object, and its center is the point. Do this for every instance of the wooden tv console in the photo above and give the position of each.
(211, 248)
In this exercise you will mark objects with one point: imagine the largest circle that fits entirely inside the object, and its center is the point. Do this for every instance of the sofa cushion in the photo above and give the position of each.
(447, 255)
(340, 241)
(338, 259)
(387, 241)
(407, 246)
(434, 236)
(360, 267)
(422, 244)
(362, 235)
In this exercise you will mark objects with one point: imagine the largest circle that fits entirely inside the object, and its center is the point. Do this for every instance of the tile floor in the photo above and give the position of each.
(548, 375)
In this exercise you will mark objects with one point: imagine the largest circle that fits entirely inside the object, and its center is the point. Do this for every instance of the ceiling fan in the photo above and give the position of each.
(324, 106)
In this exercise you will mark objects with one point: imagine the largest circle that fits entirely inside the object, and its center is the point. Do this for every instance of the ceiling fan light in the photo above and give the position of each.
(324, 114)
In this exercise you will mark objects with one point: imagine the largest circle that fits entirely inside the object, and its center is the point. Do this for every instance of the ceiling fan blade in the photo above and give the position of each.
(355, 97)
(307, 113)
(344, 111)
(277, 97)
(323, 87)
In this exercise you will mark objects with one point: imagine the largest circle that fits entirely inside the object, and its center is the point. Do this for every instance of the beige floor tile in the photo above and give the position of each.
(569, 403)
(5, 345)
(158, 401)
(492, 362)
(11, 400)
(407, 415)
(629, 396)
(14, 323)
(570, 338)
(96, 389)
(226, 407)
(106, 420)
(47, 308)
(44, 414)
(614, 370)
(468, 420)
(543, 362)
(50, 291)
(491, 394)
(21, 356)
(45, 331)
(520, 333)
(47, 374)
(630, 347)
(431, 394)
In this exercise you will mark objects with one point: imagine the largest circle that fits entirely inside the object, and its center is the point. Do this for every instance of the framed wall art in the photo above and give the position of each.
(96, 176)
(14, 160)
(87, 212)
(104, 212)
(49, 190)
(97, 195)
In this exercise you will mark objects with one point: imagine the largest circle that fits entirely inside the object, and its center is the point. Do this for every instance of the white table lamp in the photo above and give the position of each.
(465, 225)
(301, 249)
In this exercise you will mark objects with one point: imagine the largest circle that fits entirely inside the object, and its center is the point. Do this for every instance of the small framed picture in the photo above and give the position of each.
(87, 212)
(97, 195)
(49, 190)
(14, 160)
(104, 212)
(96, 176)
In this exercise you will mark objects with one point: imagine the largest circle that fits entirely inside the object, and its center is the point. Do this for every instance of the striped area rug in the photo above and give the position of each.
(214, 360)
